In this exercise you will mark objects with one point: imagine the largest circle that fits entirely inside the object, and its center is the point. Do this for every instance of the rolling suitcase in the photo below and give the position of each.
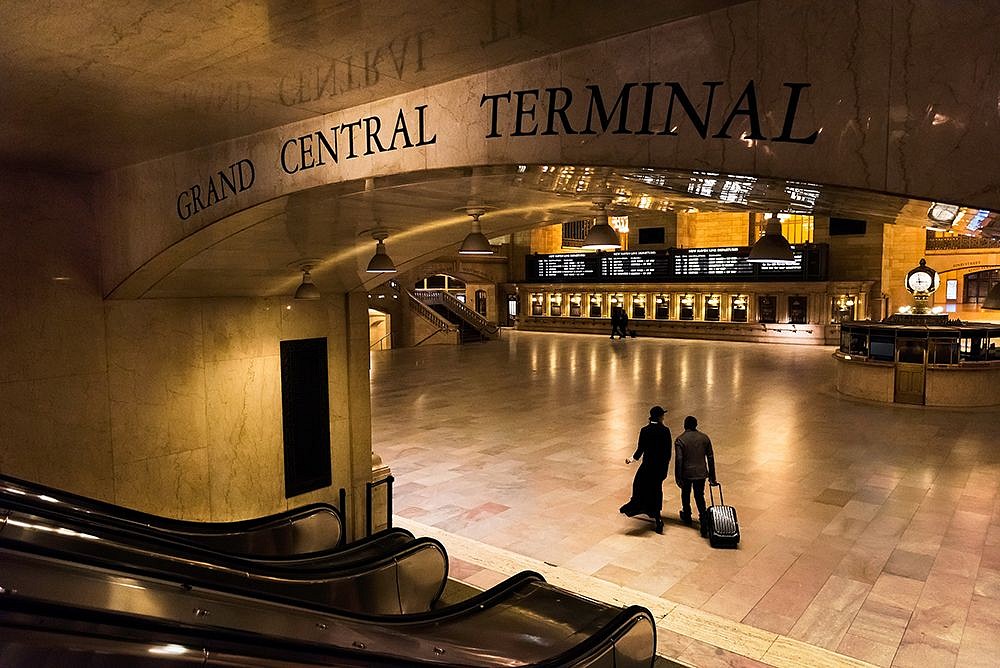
(723, 527)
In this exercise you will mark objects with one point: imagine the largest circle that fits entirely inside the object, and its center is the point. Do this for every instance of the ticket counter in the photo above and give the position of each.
(952, 364)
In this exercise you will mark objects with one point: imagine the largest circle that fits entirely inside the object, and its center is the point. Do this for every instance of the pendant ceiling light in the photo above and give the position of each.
(307, 289)
(773, 246)
(601, 236)
(993, 298)
(380, 263)
(475, 242)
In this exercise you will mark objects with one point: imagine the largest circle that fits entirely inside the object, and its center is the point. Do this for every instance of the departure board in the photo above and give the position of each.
(566, 266)
(719, 262)
(676, 265)
(634, 264)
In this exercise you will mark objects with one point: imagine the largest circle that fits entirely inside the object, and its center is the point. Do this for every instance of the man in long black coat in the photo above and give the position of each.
(654, 450)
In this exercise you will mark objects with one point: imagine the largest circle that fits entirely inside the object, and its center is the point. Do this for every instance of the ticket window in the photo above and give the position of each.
(662, 307)
(844, 309)
(798, 313)
(575, 305)
(713, 308)
(616, 301)
(767, 309)
(596, 303)
(537, 304)
(639, 306)
(687, 307)
(739, 308)
(555, 304)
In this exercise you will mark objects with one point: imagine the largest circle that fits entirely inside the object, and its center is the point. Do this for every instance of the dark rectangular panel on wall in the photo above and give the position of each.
(652, 235)
(843, 226)
(305, 415)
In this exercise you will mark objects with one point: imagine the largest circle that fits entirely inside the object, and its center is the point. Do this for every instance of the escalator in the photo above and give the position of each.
(67, 577)
(311, 528)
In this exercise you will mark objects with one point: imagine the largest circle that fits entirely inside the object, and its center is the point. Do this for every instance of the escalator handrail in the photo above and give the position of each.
(608, 636)
(123, 514)
(138, 543)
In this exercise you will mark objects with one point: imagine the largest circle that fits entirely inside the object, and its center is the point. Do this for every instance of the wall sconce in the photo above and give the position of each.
(601, 236)
(475, 242)
(688, 300)
(713, 300)
(307, 289)
(380, 263)
(773, 246)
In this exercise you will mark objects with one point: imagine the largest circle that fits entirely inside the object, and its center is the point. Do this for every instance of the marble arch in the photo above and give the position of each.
(752, 91)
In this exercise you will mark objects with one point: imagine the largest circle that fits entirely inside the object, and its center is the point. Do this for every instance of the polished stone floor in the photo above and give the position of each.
(869, 531)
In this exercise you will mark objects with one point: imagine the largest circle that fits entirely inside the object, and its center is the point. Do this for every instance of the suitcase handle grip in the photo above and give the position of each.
(711, 496)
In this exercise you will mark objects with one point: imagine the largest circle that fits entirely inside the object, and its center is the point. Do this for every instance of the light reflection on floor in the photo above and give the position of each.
(869, 530)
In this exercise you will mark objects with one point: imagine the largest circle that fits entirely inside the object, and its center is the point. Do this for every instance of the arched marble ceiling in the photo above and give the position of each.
(94, 86)
(91, 85)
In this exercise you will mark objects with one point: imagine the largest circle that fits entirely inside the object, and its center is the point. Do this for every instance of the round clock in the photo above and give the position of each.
(922, 279)
(942, 213)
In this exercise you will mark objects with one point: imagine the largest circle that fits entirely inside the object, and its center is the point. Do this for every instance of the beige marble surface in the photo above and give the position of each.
(869, 531)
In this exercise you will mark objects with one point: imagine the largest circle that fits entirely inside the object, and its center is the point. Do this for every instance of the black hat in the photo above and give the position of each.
(656, 411)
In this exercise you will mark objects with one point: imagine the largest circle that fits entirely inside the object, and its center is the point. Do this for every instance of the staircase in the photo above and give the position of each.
(472, 326)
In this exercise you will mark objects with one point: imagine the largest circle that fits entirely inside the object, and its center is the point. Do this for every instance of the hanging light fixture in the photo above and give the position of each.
(773, 246)
(601, 236)
(993, 298)
(307, 289)
(475, 242)
(380, 263)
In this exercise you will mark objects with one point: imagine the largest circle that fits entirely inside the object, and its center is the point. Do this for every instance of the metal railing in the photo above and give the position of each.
(379, 343)
(961, 243)
(426, 311)
(369, 503)
(485, 328)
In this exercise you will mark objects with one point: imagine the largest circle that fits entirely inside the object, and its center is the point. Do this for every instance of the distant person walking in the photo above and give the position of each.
(615, 320)
(647, 486)
(623, 322)
(694, 462)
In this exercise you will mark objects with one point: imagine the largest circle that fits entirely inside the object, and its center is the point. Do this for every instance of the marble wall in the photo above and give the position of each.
(169, 406)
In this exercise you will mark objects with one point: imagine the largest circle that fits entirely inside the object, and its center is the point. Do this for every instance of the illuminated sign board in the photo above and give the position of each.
(676, 265)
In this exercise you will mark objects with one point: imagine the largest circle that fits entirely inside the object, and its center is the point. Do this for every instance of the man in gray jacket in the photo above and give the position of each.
(694, 462)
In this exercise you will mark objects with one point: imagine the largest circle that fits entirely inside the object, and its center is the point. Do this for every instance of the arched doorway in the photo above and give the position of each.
(442, 282)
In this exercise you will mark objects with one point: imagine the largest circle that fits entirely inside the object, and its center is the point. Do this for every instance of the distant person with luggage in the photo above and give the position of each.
(617, 324)
(647, 486)
(693, 463)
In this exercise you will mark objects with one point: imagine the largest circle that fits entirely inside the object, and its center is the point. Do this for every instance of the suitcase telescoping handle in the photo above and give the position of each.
(711, 496)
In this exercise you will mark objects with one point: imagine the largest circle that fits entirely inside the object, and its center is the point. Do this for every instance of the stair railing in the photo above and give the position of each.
(471, 316)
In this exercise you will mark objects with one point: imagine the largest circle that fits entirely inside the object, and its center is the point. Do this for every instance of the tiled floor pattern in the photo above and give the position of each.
(871, 531)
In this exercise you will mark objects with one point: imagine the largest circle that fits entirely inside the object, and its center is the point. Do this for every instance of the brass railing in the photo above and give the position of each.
(961, 243)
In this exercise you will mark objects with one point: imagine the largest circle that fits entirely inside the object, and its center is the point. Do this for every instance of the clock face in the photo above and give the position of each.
(919, 282)
(942, 213)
